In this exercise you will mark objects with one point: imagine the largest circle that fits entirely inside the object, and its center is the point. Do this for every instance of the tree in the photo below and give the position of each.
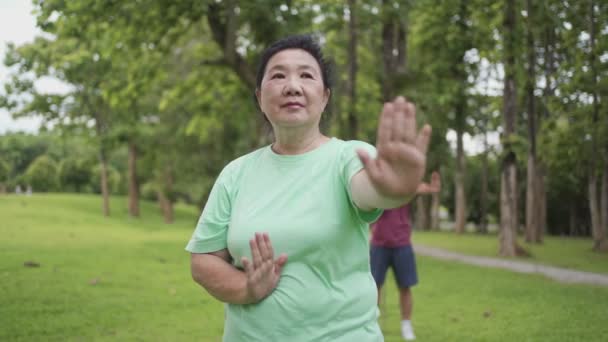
(352, 70)
(532, 203)
(508, 179)
(68, 59)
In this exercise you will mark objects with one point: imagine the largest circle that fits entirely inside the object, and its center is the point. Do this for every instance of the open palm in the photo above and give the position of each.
(401, 160)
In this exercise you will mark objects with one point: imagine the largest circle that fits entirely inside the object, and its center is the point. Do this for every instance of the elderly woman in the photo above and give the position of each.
(309, 197)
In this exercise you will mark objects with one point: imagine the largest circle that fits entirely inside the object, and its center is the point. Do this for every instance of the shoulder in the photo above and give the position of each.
(233, 170)
(348, 148)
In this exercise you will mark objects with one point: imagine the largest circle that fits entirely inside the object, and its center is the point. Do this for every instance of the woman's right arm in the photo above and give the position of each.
(220, 278)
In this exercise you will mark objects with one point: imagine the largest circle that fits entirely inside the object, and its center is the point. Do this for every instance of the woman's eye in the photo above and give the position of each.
(306, 75)
(276, 76)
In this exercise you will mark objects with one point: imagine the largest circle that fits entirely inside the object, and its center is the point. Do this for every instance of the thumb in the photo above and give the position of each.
(246, 265)
(279, 263)
(368, 163)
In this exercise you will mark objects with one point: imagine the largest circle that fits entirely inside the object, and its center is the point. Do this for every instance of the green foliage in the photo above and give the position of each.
(75, 174)
(181, 89)
(148, 191)
(41, 174)
(114, 179)
(4, 171)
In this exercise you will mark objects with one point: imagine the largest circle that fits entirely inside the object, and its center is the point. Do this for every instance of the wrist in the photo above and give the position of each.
(247, 294)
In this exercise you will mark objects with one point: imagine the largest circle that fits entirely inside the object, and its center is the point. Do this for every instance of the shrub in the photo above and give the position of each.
(41, 174)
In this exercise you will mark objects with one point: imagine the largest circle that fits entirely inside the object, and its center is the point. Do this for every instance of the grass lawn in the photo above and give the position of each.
(572, 253)
(128, 279)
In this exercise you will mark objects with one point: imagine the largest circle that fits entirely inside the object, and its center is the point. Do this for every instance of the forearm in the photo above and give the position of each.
(366, 197)
(220, 278)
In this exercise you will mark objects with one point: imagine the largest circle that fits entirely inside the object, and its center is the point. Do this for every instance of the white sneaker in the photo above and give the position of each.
(407, 331)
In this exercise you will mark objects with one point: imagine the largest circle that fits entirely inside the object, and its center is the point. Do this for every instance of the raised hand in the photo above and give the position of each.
(432, 188)
(400, 164)
(264, 272)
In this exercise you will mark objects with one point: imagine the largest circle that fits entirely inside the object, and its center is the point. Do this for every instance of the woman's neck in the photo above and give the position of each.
(290, 143)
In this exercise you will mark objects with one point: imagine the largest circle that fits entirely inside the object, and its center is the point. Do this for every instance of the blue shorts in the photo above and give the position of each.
(401, 259)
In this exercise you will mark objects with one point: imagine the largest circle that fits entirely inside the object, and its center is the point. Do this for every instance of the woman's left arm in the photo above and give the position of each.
(392, 178)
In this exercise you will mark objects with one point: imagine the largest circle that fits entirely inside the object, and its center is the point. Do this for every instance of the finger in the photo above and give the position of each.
(370, 165)
(435, 178)
(422, 141)
(385, 125)
(410, 122)
(255, 253)
(267, 268)
(268, 246)
(246, 265)
(399, 132)
(262, 246)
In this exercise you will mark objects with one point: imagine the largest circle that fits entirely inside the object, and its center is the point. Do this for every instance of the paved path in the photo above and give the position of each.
(560, 274)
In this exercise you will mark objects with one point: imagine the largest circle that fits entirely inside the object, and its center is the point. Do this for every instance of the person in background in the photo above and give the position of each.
(391, 246)
(310, 198)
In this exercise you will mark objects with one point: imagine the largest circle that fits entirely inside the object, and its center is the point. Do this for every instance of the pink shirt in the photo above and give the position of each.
(393, 228)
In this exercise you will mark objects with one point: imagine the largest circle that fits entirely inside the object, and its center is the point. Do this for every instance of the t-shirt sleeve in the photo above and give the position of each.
(211, 230)
(351, 165)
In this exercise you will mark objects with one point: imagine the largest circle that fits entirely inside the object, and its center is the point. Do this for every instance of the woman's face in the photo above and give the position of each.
(292, 93)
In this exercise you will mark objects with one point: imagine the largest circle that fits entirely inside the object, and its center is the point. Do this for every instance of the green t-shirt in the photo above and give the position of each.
(326, 291)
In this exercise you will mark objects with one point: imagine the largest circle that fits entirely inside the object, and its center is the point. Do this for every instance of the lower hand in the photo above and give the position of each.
(263, 272)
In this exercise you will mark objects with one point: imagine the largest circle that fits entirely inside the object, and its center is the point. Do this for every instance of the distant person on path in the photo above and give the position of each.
(310, 197)
(391, 246)
(18, 190)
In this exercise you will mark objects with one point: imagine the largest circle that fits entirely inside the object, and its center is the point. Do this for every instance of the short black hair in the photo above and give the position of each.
(304, 42)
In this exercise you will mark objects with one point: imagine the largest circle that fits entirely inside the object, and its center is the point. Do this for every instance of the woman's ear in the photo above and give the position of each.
(258, 94)
(326, 96)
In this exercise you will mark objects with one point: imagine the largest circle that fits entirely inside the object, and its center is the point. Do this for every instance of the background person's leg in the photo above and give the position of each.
(404, 266)
(406, 302)
(379, 262)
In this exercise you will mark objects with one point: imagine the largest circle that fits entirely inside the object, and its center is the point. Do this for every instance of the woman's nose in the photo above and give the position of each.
(292, 88)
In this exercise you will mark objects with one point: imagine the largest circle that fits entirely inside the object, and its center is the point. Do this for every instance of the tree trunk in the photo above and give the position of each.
(223, 22)
(531, 229)
(422, 221)
(600, 243)
(573, 220)
(604, 196)
(460, 219)
(532, 214)
(483, 219)
(435, 206)
(507, 234)
(541, 226)
(508, 179)
(394, 49)
(100, 129)
(549, 59)
(352, 71)
(599, 234)
(388, 87)
(105, 193)
(133, 184)
(165, 200)
(169, 198)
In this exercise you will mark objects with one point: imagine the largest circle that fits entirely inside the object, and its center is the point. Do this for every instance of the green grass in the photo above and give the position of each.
(572, 253)
(121, 279)
(452, 300)
(143, 291)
